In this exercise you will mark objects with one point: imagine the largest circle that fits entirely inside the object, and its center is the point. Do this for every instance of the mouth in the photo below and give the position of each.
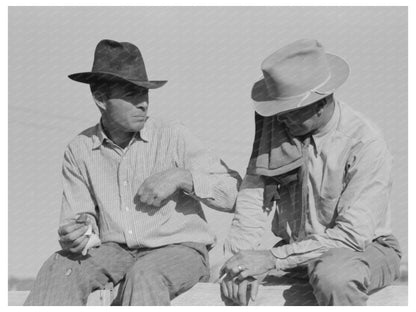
(140, 117)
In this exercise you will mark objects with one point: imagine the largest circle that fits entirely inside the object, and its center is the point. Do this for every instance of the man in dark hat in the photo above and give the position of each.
(132, 192)
(322, 172)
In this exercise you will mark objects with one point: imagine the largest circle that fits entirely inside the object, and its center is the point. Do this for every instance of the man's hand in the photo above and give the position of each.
(71, 236)
(243, 273)
(160, 186)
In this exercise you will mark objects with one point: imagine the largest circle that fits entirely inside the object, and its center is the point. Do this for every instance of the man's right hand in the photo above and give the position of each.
(72, 238)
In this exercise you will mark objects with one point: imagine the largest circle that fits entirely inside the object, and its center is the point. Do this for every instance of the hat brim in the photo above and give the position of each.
(91, 77)
(268, 106)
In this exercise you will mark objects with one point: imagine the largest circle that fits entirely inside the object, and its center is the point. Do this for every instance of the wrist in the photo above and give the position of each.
(271, 260)
(185, 181)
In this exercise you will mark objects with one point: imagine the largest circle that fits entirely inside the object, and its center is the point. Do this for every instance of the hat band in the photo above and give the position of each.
(307, 93)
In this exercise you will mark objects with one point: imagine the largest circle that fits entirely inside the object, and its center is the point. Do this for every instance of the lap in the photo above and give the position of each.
(179, 266)
(108, 262)
(176, 261)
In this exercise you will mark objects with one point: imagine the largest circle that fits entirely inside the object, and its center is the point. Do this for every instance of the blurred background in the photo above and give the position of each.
(210, 56)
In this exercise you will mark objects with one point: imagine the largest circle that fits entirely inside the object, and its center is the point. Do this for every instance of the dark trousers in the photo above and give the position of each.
(151, 276)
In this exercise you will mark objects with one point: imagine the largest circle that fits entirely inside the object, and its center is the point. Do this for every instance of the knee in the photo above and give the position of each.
(67, 268)
(141, 275)
(58, 261)
(338, 270)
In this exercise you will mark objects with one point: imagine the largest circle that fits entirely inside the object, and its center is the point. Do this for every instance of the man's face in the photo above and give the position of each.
(126, 107)
(303, 120)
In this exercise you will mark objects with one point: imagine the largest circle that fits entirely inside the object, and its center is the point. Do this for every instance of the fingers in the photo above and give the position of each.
(75, 234)
(242, 292)
(236, 290)
(245, 274)
(232, 266)
(75, 246)
(224, 289)
(235, 287)
(83, 218)
(148, 195)
(254, 289)
(69, 227)
(80, 246)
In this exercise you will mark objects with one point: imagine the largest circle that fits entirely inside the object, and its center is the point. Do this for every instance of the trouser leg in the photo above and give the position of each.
(345, 277)
(67, 279)
(161, 274)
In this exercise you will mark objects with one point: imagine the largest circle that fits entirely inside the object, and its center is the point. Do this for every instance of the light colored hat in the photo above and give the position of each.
(297, 75)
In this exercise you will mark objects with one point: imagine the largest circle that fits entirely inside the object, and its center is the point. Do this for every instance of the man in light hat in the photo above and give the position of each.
(132, 192)
(322, 173)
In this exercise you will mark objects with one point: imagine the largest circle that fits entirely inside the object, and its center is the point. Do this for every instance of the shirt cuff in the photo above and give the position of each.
(202, 187)
(283, 260)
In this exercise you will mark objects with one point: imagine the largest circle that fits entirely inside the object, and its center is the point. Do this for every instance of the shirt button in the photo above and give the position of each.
(125, 183)
(130, 232)
(127, 208)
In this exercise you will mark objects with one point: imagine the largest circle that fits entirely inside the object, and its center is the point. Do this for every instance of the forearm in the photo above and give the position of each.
(216, 190)
(300, 253)
(250, 219)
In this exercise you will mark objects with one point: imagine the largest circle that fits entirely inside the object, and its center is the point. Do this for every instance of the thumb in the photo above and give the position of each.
(254, 290)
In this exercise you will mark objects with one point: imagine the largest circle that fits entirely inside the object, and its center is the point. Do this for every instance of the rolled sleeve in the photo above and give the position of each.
(76, 197)
(213, 182)
(250, 220)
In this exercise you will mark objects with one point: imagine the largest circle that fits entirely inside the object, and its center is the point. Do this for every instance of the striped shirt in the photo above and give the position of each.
(102, 179)
(349, 190)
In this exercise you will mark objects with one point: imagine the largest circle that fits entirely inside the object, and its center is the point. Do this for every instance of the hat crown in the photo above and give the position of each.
(120, 58)
(295, 69)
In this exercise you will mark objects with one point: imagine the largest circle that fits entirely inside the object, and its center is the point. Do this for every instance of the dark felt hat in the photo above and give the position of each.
(118, 62)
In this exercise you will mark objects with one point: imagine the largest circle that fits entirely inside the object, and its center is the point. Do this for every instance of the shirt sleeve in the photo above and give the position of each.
(361, 207)
(250, 220)
(214, 183)
(76, 196)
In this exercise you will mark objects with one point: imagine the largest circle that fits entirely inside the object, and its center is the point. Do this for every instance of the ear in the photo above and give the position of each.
(320, 106)
(99, 98)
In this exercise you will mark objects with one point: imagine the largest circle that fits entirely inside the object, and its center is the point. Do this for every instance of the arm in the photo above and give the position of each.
(213, 183)
(76, 196)
(361, 206)
(76, 201)
(250, 220)
(198, 173)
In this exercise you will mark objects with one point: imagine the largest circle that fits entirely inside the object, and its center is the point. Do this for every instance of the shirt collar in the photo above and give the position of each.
(100, 137)
(320, 137)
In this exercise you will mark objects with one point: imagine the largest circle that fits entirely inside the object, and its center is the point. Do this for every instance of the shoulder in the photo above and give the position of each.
(165, 127)
(358, 127)
(83, 142)
(366, 138)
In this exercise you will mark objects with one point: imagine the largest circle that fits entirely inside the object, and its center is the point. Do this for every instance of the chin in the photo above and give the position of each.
(298, 132)
(138, 126)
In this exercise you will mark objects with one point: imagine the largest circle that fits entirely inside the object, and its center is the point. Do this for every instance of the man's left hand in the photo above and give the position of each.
(245, 268)
(160, 186)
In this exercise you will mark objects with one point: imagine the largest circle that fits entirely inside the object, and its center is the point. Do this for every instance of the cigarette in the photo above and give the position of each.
(221, 278)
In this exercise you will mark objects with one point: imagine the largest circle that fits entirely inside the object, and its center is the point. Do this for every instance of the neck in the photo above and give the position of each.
(116, 135)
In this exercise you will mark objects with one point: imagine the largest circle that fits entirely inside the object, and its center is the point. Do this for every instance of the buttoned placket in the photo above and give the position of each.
(125, 194)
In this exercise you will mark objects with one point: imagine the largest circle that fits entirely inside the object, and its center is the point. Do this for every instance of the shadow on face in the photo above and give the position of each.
(304, 120)
(123, 105)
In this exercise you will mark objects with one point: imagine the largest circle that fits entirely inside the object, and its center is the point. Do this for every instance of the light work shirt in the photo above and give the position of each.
(349, 189)
(102, 179)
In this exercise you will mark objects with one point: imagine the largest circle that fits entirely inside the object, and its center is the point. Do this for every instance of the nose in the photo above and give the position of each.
(285, 119)
(142, 105)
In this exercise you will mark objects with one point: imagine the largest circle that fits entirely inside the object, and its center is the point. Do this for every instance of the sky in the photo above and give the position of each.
(211, 57)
